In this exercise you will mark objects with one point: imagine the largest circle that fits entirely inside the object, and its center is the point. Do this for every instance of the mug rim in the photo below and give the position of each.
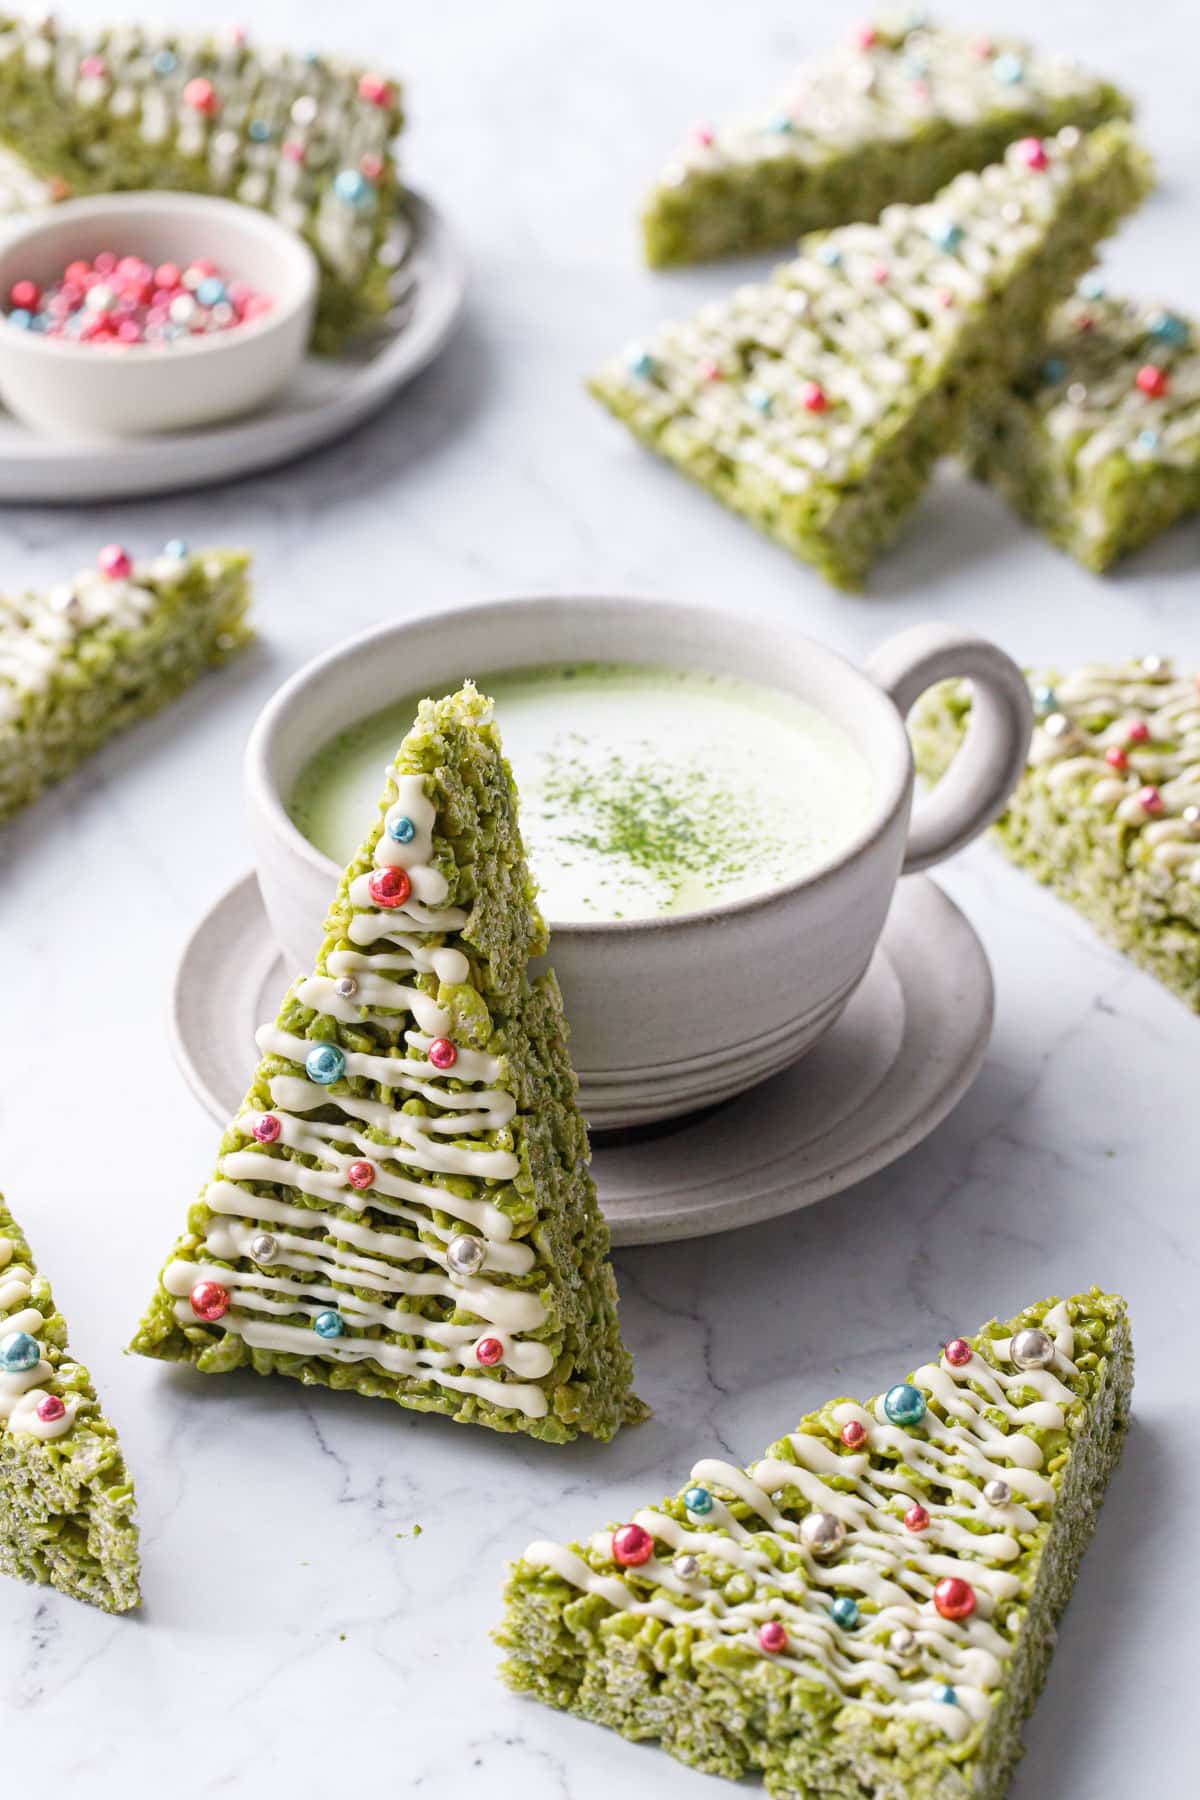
(264, 794)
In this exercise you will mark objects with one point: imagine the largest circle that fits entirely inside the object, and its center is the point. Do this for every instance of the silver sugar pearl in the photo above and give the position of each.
(1032, 1349)
(227, 144)
(997, 1493)
(687, 1567)
(465, 1255)
(66, 601)
(1057, 725)
(822, 1533)
(304, 110)
(1068, 137)
(903, 1642)
(345, 987)
(1191, 817)
(1011, 212)
(263, 1248)
(1154, 665)
(1077, 394)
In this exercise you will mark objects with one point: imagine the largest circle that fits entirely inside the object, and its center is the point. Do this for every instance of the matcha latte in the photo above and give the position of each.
(644, 790)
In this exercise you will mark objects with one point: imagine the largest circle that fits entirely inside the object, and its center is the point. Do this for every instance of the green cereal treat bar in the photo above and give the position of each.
(1107, 813)
(307, 138)
(1098, 440)
(86, 659)
(818, 402)
(403, 1206)
(893, 114)
(869, 1610)
(66, 1499)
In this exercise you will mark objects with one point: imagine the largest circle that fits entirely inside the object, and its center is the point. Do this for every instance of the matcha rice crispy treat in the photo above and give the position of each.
(404, 1206)
(871, 1608)
(66, 1499)
(1108, 811)
(1097, 442)
(893, 114)
(818, 402)
(306, 137)
(93, 655)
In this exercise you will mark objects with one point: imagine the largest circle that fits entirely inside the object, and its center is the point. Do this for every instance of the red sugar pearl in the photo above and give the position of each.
(167, 275)
(375, 89)
(1116, 758)
(709, 370)
(489, 1350)
(814, 398)
(360, 1174)
(958, 1353)
(1032, 153)
(631, 1546)
(27, 294)
(210, 1301)
(200, 95)
(1150, 800)
(266, 1129)
(51, 1409)
(916, 1518)
(1152, 381)
(704, 135)
(1137, 731)
(114, 561)
(371, 166)
(954, 1598)
(854, 1433)
(93, 68)
(442, 1053)
(389, 887)
(772, 1637)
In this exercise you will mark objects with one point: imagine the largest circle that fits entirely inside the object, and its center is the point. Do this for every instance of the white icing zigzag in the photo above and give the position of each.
(308, 1274)
(947, 1677)
(22, 1391)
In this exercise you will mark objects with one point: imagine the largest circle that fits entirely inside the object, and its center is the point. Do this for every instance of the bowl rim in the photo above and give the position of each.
(893, 794)
(299, 296)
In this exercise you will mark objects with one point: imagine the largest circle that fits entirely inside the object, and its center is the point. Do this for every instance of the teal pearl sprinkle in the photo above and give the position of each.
(401, 830)
(845, 1612)
(19, 1352)
(325, 1064)
(698, 1500)
(329, 1324)
(904, 1405)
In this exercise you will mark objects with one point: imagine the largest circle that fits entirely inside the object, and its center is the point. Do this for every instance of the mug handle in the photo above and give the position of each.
(976, 787)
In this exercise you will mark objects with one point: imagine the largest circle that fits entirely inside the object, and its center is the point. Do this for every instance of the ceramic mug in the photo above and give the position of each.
(678, 1012)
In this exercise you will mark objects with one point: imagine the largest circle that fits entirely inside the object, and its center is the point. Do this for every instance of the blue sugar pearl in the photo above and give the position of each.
(759, 400)
(1009, 69)
(698, 1500)
(845, 1612)
(1169, 328)
(1148, 440)
(166, 62)
(325, 1064)
(948, 1695)
(260, 132)
(1091, 288)
(642, 364)
(946, 234)
(782, 125)
(401, 829)
(353, 187)
(904, 1405)
(175, 547)
(830, 255)
(21, 317)
(19, 1352)
(329, 1324)
(211, 291)
(1053, 369)
(1045, 699)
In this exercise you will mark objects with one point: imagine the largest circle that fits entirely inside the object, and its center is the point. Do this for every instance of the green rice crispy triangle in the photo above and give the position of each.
(66, 1498)
(404, 1205)
(869, 1610)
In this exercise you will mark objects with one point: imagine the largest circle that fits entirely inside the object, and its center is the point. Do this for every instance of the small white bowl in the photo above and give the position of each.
(92, 392)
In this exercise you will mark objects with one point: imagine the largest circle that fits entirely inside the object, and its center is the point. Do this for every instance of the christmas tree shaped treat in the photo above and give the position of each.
(1107, 813)
(818, 402)
(891, 114)
(112, 646)
(66, 1499)
(868, 1610)
(1098, 439)
(404, 1205)
(304, 136)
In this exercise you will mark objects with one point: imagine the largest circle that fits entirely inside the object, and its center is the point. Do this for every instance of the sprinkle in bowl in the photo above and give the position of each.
(63, 387)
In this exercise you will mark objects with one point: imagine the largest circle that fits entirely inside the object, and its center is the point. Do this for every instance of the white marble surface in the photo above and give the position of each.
(296, 1637)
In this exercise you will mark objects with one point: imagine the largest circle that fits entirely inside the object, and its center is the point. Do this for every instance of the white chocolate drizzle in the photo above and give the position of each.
(23, 1390)
(375, 1277)
(889, 1569)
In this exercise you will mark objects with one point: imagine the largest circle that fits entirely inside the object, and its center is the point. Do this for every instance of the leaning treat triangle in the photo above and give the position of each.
(306, 137)
(870, 1609)
(891, 114)
(404, 1205)
(1097, 441)
(1107, 813)
(112, 646)
(818, 402)
(66, 1499)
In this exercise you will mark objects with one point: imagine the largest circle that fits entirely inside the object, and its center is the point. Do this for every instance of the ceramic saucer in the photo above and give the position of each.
(329, 396)
(901, 1056)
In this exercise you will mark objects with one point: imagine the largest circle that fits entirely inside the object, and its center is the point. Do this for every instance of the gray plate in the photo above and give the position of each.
(329, 396)
(901, 1056)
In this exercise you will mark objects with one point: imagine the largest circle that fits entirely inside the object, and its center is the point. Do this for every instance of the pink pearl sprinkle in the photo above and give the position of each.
(360, 1174)
(267, 1128)
(375, 89)
(772, 1637)
(958, 1353)
(27, 294)
(916, 1518)
(200, 95)
(632, 1546)
(371, 166)
(103, 263)
(854, 1433)
(93, 68)
(704, 135)
(442, 1053)
(1150, 800)
(814, 398)
(50, 1409)
(167, 275)
(489, 1350)
(865, 37)
(881, 274)
(293, 149)
(114, 562)
(1137, 731)
(1032, 152)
